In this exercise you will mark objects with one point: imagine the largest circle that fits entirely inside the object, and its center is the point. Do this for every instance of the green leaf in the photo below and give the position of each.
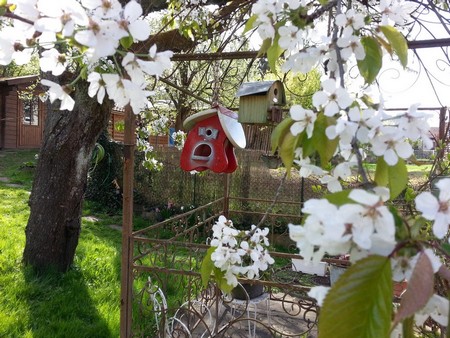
(207, 266)
(401, 231)
(446, 248)
(249, 25)
(280, 132)
(398, 43)
(273, 53)
(398, 178)
(360, 303)
(381, 173)
(222, 281)
(371, 65)
(287, 148)
(84, 73)
(394, 177)
(126, 42)
(385, 44)
(324, 146)
(339, 198)
(408, 328)
(265, 46)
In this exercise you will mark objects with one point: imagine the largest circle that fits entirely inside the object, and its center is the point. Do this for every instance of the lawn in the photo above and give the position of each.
(84, 302)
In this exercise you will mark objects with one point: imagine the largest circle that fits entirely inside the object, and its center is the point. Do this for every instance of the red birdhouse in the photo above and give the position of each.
(210, 143)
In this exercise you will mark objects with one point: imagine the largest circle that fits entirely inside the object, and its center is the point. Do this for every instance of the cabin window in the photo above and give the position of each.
(30, 109)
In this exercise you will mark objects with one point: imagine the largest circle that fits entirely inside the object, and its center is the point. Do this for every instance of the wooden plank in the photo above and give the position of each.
(11, 120)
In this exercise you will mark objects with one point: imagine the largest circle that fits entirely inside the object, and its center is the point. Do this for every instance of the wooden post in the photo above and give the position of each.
(127, 225)
(226, 194)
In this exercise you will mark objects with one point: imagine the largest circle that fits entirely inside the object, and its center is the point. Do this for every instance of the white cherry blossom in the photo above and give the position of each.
(133, 67)
(302, 61)
(136, 26)
(109, 9)
(395, 11)
(391, 144)
(415, 126)
(290, 37)
(322, 232)
(304, 120)
(436, 209)
(350, 19)
(319, 293)
(96, 86)
(57, 92)
(436, 308)
(306, 168)
(332, 98)
(60, 16)
(53, 61)
(102, 36)
(6, 48)
(351, 45)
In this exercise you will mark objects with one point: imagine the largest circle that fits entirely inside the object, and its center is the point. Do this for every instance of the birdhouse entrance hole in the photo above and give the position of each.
(202, 152)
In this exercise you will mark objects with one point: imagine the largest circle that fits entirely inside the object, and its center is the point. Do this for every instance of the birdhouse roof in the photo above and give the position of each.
(232, 128)
(252, 88)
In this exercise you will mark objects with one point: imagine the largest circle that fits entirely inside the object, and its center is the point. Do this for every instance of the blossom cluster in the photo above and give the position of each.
(363, 227)
(352, 118)
(305, 48)
(366, 126)
(91, 33)
(239, 253)
(179, 137)
(345, 116)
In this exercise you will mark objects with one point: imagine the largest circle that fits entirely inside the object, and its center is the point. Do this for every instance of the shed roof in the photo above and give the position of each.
(251, 88)
(17, 79)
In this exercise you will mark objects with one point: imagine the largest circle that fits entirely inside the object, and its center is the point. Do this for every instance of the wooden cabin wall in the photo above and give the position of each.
(11, 120)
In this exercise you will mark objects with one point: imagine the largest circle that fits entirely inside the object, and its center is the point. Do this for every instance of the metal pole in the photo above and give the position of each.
(127, 224)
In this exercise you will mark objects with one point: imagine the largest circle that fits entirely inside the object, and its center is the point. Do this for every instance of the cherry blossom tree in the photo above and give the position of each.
(87, 45)
(346, 124)
(93, 55)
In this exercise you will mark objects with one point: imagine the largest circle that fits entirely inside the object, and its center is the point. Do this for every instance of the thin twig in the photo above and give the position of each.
(359, 160)
(19, 18)
(269, 209)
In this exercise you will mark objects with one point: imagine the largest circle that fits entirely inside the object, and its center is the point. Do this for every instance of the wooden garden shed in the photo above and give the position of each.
(21, 113)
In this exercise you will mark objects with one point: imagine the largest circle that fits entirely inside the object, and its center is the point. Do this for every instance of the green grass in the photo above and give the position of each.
(84, 302)
(412, 168)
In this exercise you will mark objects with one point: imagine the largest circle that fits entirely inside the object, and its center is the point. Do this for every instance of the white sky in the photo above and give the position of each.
(401, 88)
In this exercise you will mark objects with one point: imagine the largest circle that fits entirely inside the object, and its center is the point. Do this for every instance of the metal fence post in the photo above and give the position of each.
(127, 225)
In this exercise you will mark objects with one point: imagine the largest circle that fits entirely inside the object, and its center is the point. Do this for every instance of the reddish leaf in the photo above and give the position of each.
(420, 289)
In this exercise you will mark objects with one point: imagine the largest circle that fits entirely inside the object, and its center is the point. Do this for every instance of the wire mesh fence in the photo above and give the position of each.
(254, 179)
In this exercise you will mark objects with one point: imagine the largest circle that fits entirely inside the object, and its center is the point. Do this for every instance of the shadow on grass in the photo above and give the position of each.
(60, 306)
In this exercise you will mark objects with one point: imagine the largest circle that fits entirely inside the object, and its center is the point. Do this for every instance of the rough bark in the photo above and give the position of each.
(60, 180)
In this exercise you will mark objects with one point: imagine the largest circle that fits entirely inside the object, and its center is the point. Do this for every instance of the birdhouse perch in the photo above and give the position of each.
(261, 102)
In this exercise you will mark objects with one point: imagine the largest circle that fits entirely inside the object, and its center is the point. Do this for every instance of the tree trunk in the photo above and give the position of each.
(60, 180)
